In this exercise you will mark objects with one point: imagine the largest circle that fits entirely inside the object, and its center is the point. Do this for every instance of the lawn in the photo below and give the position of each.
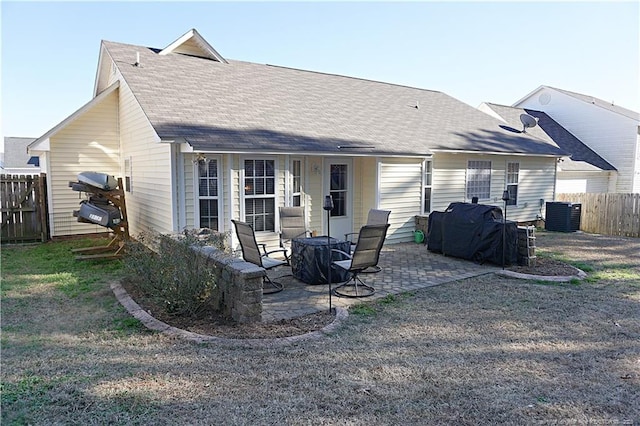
(487, 350)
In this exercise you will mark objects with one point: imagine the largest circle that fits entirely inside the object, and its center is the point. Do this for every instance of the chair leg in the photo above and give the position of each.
(270, 287)
(354, 287)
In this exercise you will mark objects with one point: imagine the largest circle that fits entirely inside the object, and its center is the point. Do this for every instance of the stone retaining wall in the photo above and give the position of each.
(239, 285)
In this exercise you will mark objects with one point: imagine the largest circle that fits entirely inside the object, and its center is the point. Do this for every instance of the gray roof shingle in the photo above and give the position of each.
(549, 130)
(242, 106)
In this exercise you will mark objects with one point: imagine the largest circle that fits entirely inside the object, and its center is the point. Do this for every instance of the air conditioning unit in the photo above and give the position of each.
(562, 217)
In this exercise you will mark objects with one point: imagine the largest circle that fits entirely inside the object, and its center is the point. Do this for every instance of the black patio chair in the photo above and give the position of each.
(366, 255)
(251, 253)
(292, 225)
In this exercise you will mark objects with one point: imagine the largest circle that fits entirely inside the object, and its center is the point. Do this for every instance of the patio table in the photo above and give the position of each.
(309, 259)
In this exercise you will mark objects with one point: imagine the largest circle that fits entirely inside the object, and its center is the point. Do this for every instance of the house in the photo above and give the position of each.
(609, 130)
(583, 171)
(200, 139)
(16, 160)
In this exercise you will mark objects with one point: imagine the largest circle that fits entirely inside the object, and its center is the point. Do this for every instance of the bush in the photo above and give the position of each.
(172, 274)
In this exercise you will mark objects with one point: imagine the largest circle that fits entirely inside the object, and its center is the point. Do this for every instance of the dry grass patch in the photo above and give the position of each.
(487, 350)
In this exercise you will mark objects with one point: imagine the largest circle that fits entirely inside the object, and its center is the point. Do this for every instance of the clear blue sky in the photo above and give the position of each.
(474, 51)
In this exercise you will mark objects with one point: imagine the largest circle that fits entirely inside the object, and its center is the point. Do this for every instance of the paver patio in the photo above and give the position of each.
(405, 267)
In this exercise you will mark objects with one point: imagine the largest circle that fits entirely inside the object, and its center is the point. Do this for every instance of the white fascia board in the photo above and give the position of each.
(516, 104)
(37, 144)
(44, 146)
(192, 33)
(188, 148)
(517, 154)
(100, 56)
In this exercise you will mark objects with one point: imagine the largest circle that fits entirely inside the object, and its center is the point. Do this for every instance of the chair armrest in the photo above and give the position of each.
(342, 253)
(267, 253)
(349, 236)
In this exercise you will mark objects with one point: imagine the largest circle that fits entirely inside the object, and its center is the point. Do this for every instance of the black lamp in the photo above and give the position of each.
(328, 206)
(505, 198)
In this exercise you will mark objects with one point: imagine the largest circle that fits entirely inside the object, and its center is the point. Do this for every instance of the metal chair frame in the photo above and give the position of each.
(292, 225)
(375, 217)
(367, 253)
(251, 253)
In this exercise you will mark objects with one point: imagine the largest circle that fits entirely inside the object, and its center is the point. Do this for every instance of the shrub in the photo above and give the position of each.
(171, 273)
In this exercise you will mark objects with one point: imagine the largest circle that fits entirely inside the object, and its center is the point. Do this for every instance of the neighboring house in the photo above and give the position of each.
(582, 171)
(610, 130)
(16, 160)
(200, 139)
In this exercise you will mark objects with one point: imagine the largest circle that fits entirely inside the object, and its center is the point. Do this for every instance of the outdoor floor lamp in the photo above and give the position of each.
(328, 206)
(505, 198)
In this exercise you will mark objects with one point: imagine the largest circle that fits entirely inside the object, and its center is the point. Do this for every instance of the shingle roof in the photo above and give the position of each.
(242, 106)
(549, 130)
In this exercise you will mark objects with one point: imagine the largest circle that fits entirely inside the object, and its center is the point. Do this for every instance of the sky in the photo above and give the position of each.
(474, 51)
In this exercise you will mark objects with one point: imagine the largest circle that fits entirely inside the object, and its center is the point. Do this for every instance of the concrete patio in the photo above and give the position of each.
(405, 267)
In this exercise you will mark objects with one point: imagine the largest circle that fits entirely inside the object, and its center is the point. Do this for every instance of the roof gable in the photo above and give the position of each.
(592, 100)
(582, 157)
(193, 44)
(41, 144)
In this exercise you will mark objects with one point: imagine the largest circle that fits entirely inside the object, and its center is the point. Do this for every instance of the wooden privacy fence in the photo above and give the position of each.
(607, 214)
(24, 208)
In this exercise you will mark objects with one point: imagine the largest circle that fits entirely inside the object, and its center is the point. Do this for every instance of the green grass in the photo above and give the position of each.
(54, 263)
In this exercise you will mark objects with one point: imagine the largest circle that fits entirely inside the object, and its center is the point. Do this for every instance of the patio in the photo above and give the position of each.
(405, 267)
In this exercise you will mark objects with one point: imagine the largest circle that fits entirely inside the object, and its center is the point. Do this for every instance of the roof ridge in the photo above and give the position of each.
(340, 75)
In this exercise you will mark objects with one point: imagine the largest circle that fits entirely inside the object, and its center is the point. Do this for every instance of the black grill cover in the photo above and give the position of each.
(103, 214)
(309, 260)
(473, 232)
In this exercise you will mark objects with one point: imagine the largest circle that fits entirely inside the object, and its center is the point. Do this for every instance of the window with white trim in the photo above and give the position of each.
(426, 191)
(296, 183)
(259, 194)
(479, 179)
(513, 177)
(208, 193)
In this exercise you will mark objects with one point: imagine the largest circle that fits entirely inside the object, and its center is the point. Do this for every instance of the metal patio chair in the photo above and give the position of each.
(251, 253)
(375, 217)
(366, 255)
(292, 225)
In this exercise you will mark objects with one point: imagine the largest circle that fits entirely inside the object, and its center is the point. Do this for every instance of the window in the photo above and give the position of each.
(208, 193)
(296, 188)
(259, 194)
(513, 172)
(127, 174)
(426, 193)
(338, 189)
(479, 180)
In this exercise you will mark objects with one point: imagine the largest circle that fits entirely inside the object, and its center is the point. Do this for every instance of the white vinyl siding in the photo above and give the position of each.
(150, 206)
(613, 136)
(400, 183)
(536, 182)
(89, 143)
(579, 182)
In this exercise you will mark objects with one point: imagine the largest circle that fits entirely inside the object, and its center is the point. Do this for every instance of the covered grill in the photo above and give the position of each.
(473, 232)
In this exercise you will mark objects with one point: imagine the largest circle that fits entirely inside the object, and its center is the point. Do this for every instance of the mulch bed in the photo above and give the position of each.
(546, 267)
(214, 324)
